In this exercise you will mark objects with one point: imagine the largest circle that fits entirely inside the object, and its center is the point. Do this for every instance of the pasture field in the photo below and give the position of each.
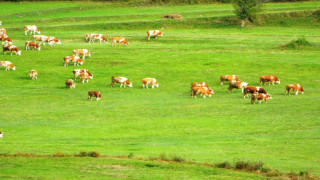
(42, 117)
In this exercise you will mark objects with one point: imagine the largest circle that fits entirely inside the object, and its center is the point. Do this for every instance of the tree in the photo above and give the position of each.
(245, 9)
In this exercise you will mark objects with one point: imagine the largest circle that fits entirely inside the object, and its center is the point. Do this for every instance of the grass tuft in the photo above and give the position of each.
(297, 43)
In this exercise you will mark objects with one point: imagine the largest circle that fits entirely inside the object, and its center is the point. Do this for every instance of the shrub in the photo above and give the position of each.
(130, 155)
(297, 43)
(163, 157)
(94, 154)
(225, 164)
(249, 166)
(177, 158)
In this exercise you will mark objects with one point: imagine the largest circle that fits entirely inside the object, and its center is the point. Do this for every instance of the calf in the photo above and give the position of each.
(252, 89)
(269, 78)
(8, 65)
(237, 85)
(70, 84)
(75, 59)
(34, 46)
(119, 40)
(122, 80)
(83, 52)
(259, 97)
(154, 33)
(228, 78)
(96, 94)
(32, 28)
(12, 48)
(33, 74)
(99, 37)
(203, 91)
(77, 73)
(147, 81)
(294, 87)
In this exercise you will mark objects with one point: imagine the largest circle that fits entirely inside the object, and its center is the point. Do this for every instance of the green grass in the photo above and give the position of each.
(42, 117)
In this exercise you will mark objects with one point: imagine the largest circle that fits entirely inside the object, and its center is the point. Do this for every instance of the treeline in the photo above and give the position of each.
(165, 1)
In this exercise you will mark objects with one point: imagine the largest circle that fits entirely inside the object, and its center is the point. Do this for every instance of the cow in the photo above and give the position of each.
(1, 134)
(147, 81)
(99, 37)
(119, 40)
(199, 84)
(294, 87)
(84, 76)
(122, 80)
(75, 59)
(83, 52)
(12, 48)
(88, 36)
(49, 39)
(259, 97)
(228, 78)
(5, 38)
(269, 78)
(32, 28)
(3, 31)
(77, 73)
(2, 36)
(154, 33)
(237, 85)
(96, 94)
(34, 46)
(251, 90)
(8, 65)
(203, 91)
(33, 74)
(70, 84)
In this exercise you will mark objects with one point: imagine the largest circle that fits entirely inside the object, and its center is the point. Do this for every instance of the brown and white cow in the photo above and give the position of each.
(3, 31)
(199, 84)
(203, 91)
(8, 65)
(96, 94)
(82, 52)
(294, 87)
(33, 74)
(75, 59)
(70, 84)
(99, 37)
(122, 80)
(259, 97)
(237, 84)
(77, 73)
(269, 78)
(154, 33)
(228, 78)
(34, 46)
(251, 90)
(6, 39)
(32, 28)
(2, 36)
(119, 40)
(49, 39)
(12, 48)
(147, 81)
(88, 36)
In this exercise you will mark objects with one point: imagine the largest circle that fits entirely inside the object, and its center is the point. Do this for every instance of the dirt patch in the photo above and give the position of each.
(172, 16)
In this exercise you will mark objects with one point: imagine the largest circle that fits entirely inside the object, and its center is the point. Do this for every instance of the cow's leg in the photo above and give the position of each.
(204, 96)
(221, 83)
(148, 38)
(121, 85)
(297, 92)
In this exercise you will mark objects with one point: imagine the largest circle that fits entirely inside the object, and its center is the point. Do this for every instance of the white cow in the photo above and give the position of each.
(32, 28)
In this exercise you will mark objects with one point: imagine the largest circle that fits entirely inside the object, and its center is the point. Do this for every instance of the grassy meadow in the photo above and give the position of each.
(42, 117)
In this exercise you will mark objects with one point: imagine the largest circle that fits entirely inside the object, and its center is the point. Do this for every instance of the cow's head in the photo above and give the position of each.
(210, 92)
(157, 84)
(277, 81)
(125, 42)
(38, 31)
(19, 53)
(99, 96)
(160, 34)
(12, 67)
(268, 96)
(128, 83)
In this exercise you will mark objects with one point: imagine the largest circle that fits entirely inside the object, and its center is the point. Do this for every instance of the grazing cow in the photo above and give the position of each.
(294, 87)
(3, 31)
(77, 73)
(228, 78)
(96, 94)
(147, 81)
(154, 33)
(88, 36)
(83, 52)
(12, 48)
(34, 46)
(70, 84)
(99, 37)
(119, 40)
(252, 89)
(199, 84)
(8, 65)
(203, 91)
(33, 74)
(84, 76)
(259, 97)
(75, 59)
(269, 78)
(122, 80)
(32, 28)
(49, 39)
(6, 39)
(237, 85)
(1, 134)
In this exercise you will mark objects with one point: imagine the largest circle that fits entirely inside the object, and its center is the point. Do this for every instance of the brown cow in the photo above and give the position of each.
(252, 89)
(34, 46)
(199, 84)
(269, 78)
(228, 78)
(147, 81)
(154, 33)
(12, 48)
(70, 84)
(203, 91)
(96, 94)
(122, 80)
(119, 40)
(33, 74)
(237, 85)
(77, 73)
(294, 87)
(259, 97)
